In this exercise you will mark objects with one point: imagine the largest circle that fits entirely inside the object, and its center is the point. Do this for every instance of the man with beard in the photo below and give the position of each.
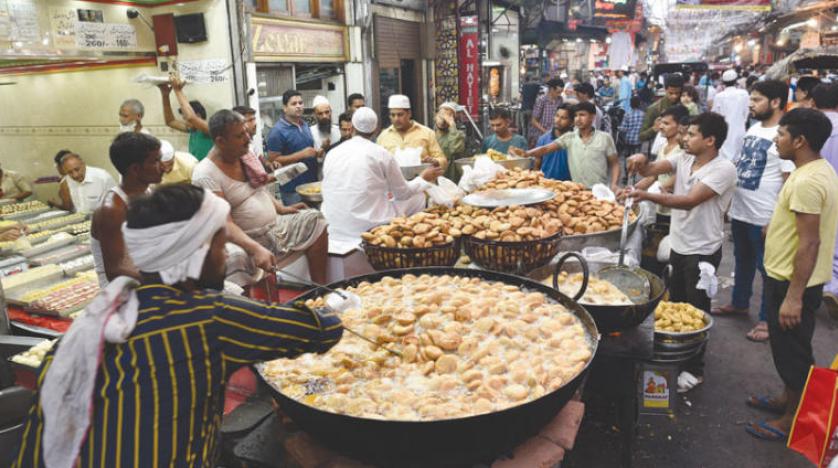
(760, 175)
(554, 165)
(137, 158)
(324, 132)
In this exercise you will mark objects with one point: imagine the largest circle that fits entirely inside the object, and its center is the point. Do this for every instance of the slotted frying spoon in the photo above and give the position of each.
(345, 295)
(627, 279)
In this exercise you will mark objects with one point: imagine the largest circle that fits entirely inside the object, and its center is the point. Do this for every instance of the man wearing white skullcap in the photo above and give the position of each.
(406, 133)
(168, 335)
(358, 178)
(733, 104)
(324, 132)
(136, 157)
(177, 165)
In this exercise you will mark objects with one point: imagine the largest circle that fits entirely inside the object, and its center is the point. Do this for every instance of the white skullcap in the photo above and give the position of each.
(450, 105)
(398, 101)
(563, 75)
(364, 120)
(729, 75)
(319, 101)
(167, 151)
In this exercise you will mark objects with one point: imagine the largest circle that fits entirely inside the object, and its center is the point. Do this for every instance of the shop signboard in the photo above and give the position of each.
(614, 9)
(469, 64)
(731, 5)
(276, 40)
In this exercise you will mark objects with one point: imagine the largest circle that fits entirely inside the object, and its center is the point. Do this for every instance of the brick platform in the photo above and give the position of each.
(547, 449)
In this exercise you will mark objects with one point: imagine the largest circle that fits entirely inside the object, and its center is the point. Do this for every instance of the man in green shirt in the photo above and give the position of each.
(450, 138)
(194, 118)
(503, 139)
(591, 153)
(674, 85)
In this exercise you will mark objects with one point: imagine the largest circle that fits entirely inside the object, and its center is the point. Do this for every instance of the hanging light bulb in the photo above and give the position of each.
(812, 22)
(608, 39)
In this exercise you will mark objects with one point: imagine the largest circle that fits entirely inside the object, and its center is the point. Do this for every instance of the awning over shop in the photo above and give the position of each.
(549, 31)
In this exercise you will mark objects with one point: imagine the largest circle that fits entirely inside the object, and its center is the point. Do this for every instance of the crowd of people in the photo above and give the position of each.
(180, 221)
(758, 152)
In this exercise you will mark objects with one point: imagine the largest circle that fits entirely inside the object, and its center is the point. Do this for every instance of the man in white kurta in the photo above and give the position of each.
(732, 103)
(363, 185)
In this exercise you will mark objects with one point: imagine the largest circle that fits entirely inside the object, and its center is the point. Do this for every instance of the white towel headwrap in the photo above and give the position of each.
(177, 252)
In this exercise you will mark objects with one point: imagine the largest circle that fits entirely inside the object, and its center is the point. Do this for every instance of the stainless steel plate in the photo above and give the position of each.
(509, 197)
(410, 172)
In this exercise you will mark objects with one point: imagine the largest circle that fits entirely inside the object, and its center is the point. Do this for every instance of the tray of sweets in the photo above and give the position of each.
(61, 255)
(34, 277)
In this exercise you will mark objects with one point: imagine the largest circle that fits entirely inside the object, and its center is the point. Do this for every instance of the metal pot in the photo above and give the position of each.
(608, 239)
(311, 198)
(390, 443)
(608, 318)
(511, 163)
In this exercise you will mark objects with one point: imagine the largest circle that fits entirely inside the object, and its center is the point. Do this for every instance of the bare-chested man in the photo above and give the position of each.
(137, 157)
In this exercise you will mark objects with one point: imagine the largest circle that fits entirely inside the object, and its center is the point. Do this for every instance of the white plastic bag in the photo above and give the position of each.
(601, 192)
(407, 157)
(483, 172)
(445, 192)
(707, 279)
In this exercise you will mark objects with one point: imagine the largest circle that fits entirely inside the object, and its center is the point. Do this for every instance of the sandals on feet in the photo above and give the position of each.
(765, 403)
(759, 333)
(764, 431)
(728, 310)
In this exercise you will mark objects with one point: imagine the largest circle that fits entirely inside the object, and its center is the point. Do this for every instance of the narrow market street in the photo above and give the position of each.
(707, 428)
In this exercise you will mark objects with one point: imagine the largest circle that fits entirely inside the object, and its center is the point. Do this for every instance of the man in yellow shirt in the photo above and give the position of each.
(798, 260)
(177, 165)
(406, 133)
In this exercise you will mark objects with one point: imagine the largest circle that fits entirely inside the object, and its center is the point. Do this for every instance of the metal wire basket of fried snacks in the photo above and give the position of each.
(388, 258)
(512, 256)
(423, 239)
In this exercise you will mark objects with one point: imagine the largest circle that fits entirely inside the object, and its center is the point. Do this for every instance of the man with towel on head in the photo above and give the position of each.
(138, 379)
(358, 178)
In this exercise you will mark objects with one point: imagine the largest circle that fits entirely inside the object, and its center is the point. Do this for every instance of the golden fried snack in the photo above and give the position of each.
(678, 317)
(468, 347)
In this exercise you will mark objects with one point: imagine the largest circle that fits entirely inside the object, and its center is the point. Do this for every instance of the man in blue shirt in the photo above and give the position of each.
(289, 142)
(554, 165)
(503, 138)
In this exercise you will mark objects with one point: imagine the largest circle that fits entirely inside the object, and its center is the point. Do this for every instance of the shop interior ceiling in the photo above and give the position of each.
(49, 59)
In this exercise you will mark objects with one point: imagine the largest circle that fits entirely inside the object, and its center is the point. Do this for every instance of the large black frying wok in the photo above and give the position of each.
(610, 318)
(451, 440)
